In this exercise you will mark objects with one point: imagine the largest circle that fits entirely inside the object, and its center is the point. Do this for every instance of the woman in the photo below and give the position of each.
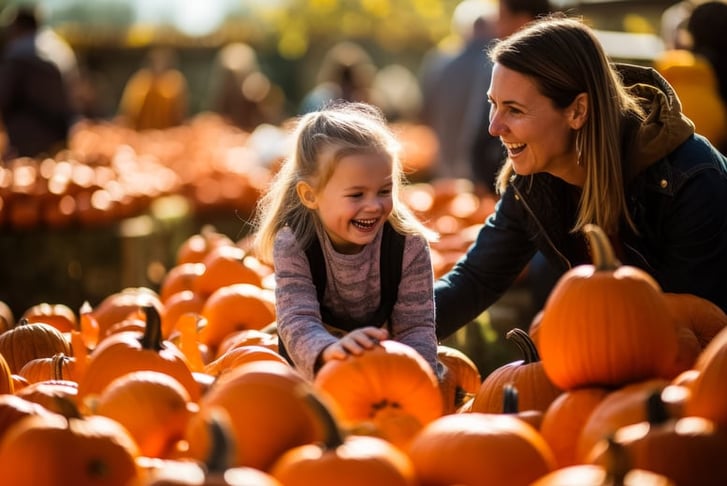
(588, 142)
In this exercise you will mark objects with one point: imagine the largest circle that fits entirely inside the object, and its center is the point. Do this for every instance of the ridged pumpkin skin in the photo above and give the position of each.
(390, 375)
(53, 450)
(29, 341)
(606, 324)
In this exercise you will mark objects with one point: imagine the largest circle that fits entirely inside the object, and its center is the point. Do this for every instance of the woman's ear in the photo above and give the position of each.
(578, 111)
(307, 195)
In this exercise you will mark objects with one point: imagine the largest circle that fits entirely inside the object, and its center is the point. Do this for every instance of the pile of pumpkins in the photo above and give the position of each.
(620, 383)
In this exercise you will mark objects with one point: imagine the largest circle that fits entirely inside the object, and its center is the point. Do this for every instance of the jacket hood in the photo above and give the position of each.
(664, 128)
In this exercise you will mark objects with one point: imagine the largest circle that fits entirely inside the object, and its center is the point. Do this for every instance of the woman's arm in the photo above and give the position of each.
(502, 250)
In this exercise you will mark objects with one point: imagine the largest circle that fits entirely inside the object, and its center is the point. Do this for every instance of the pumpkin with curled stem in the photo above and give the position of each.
(28, 341)
(606, 324)
(535, 389)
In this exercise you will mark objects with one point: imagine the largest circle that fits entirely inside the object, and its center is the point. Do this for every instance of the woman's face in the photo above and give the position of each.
(538, 136)
(356, 200)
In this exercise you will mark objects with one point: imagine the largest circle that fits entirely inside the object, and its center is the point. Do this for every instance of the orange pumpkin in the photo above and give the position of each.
(689, 451)
(26, 342)
(154, 407)
(74, 450)
(480, 448)
(606, 324)
(535, 390)
(707, 388)
(233, 308)
(125, 352)
(57, 367)
(225, 265)
(619, 408)
(564, 420)
(616, 470)
(6, 377)
(462, 379)
(59, 316)
(391, 375)
(266, 414)
(339, 459)
(239, 356)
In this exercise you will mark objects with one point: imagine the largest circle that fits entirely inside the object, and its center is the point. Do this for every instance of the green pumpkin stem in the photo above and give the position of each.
(152, 338)
(525, 343)
(604, 258)
(510, 399)
(334, 437)
(221, 453)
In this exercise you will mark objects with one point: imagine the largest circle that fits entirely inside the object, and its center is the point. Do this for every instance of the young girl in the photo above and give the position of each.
(352, 264)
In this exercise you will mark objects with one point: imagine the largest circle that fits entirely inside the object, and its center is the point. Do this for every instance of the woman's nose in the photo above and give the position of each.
(496, 128)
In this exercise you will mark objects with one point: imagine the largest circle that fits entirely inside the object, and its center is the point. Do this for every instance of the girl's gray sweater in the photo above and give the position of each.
(352, 291)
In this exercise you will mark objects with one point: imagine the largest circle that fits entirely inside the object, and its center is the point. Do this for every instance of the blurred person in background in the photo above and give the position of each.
(155, 96)
(241, 92)
(37, 77)
(690, 71)
(346, 73)
(453, 101)
(707, 26)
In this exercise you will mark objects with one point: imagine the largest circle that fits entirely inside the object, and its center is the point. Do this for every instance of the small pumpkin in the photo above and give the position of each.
(125, 352)
(27, 341)
(535, 389)
(462, 378)
(154, 407)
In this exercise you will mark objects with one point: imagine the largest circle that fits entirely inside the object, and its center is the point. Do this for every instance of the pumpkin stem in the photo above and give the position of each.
(152, 338)
(525, 343)
(333, 434)
(604, 258)
(67, 407)
(510, 399)
(57, 366)
(656, 412)
(222, 445)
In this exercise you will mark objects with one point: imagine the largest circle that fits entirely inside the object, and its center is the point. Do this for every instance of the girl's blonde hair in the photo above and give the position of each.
(564, 58)
(343, 128)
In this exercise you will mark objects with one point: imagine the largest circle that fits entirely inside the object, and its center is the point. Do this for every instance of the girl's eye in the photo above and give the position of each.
(355, 195)
(385, 192)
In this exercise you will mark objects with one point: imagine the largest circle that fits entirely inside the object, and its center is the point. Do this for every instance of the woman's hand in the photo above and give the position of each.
(355, 342)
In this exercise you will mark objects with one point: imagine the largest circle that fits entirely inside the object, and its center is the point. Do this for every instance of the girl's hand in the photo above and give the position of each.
(355, 342)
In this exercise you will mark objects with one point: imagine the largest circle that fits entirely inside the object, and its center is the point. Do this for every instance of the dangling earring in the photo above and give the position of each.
(578, 148)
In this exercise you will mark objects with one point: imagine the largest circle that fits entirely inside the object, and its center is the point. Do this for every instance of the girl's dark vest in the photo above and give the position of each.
(392, 254)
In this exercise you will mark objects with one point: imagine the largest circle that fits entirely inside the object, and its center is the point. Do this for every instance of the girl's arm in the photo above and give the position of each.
(412, 319)
(297, 309)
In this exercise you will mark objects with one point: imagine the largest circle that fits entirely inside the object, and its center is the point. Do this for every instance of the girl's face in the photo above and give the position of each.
(538, 136)
(355, 202)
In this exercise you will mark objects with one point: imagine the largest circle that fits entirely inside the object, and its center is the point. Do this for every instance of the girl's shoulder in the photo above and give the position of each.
(286, 240)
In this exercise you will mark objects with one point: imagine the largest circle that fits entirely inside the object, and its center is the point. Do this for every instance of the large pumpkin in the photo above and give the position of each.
(391, 375)
(606, 324)
(480, 448)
